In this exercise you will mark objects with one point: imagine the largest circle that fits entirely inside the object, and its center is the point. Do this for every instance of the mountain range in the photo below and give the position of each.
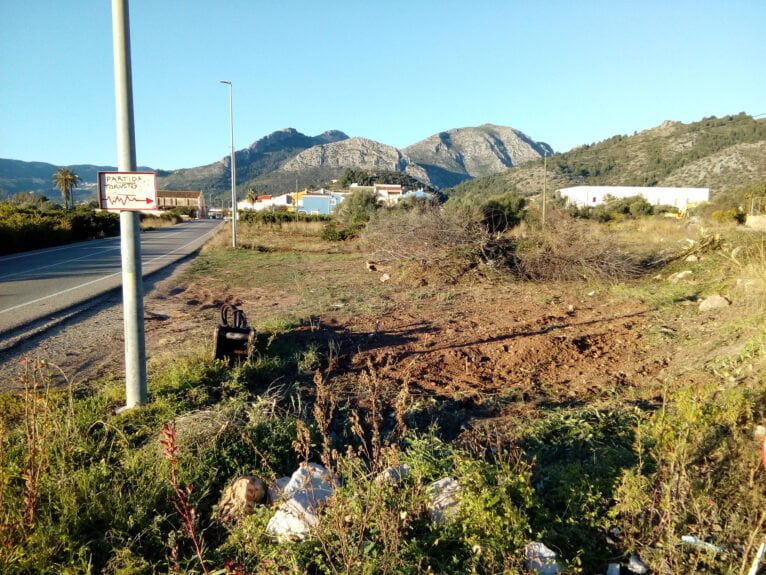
(287, 159)
(723, 154)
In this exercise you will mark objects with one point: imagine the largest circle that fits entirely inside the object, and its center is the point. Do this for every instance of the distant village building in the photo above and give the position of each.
(388, 194)
(266, 202)
(318, 202)
(582, 196)
(194, 201)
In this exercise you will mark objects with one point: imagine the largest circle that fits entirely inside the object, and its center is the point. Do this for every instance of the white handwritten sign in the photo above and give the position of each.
(133, 191)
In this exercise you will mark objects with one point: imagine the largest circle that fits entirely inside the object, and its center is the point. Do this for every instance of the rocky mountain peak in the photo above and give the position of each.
(360, 153)
(331, 136)
(292, 138)
(464, 153)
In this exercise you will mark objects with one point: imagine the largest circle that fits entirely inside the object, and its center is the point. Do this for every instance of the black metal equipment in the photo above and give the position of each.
(235, 341)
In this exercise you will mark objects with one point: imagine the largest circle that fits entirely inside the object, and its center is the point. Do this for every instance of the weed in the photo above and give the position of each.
(308, 360)
(578, 459)
(182, 494)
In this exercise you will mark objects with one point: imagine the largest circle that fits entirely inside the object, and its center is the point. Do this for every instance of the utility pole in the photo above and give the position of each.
(132, 281)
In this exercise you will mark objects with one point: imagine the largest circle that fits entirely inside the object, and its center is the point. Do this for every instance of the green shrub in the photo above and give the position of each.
(279, 216)
(500, 213)
(357, 209)
(615, 209)
(332, 232)
(728, 216)
(579, 458)
(24, 228)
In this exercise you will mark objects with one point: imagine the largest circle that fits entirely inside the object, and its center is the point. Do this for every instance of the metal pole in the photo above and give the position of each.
(132, 282)
(233, 169)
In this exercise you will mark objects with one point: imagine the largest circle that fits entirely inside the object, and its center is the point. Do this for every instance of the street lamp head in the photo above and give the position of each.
(225, 82)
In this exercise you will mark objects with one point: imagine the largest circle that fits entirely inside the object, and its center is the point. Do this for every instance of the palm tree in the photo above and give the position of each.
(66, 181)
(251, 196)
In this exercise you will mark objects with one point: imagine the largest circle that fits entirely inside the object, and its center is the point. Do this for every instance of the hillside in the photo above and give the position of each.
(262, 157)
(288, 159)
(17, 176)
(461, 154)
(358, 153)
(723, 154)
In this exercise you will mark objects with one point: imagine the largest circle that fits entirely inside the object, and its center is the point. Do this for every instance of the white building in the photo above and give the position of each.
(582, 196)
(388, 194)
(266, 202)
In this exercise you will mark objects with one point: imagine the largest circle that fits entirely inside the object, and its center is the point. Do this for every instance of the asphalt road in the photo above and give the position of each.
(38, 286)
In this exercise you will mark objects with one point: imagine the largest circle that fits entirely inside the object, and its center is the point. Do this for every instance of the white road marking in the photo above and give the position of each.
(58, 263)
(143, 265)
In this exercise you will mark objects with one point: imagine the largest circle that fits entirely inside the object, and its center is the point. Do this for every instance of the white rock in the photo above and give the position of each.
(692, 258)
(678, 276)
(385, 277)
(393, 475)
(714, 302)
(541, 559)
(309, 487)
(276, 490)
(635, 565)
(444, 503)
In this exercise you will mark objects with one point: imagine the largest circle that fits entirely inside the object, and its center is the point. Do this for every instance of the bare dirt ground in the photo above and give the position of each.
(487, 353)
(488, 358)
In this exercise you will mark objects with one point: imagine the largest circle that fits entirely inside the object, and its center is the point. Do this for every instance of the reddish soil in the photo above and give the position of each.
(491, 357)
(487, 354)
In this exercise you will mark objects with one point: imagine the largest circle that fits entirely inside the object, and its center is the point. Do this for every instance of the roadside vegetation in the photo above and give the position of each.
(660, 463)
(31, 226)
(30, 222)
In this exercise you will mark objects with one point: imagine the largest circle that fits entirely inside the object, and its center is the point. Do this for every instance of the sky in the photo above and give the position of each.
(564, 72)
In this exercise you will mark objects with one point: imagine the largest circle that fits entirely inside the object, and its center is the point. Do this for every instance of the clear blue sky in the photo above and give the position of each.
(397, 71)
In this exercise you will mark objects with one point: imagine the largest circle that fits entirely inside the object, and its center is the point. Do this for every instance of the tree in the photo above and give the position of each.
(66, 181)
(357, 208)
(501, 213)
(251, 196)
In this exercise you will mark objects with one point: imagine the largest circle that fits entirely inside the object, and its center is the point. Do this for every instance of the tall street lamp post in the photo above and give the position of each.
(233, 170)
(545, 181)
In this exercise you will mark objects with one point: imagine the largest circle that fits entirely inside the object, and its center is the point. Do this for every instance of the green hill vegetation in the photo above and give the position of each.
(724, 154)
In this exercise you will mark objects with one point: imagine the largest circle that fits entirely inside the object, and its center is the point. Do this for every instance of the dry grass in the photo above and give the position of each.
(280, 236)
(425, 235)
(570, 249)
(149, 222)
(655, 236)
